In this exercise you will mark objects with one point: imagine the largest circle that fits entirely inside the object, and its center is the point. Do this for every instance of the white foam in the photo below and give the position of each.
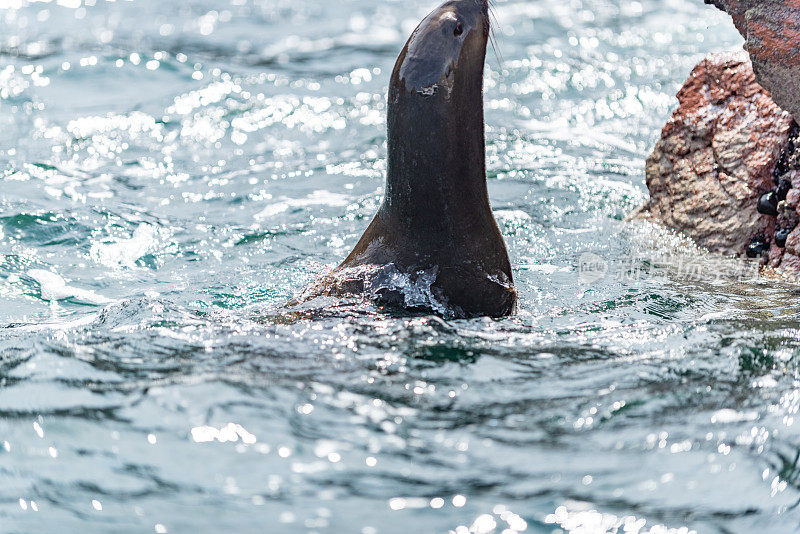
(53, 288)
(125, 252)
(378, 280)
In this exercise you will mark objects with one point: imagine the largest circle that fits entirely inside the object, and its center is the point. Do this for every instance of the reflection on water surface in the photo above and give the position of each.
(170, 173)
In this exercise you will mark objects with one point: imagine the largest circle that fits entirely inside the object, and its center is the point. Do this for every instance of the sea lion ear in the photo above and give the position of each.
(431, 50)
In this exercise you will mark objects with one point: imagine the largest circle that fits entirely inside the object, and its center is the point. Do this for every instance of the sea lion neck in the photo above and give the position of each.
(436, 176)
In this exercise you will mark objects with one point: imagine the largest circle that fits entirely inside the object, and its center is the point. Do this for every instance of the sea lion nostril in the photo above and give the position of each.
(459, 29)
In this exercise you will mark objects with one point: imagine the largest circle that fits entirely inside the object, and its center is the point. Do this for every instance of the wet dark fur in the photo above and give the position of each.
(436, 211)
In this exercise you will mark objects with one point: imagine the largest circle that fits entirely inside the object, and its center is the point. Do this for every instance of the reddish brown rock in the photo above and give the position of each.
(772, 31)
(717, 156)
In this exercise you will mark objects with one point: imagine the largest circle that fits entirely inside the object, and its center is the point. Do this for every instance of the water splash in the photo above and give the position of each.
(385, 284)
(54, 288)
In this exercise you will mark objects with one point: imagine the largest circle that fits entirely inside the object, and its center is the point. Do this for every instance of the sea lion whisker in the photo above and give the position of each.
(493, 35)
(496, 49)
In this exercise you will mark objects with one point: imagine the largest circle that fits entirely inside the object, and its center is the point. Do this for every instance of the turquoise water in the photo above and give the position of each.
(172, 172)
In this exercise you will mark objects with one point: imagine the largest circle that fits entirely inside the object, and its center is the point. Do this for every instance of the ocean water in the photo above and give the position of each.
(172, 172)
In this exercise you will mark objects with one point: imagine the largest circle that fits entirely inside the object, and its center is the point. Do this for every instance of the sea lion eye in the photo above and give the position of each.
(458, 30)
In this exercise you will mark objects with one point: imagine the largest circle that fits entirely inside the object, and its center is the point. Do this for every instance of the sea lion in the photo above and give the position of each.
(435, 225)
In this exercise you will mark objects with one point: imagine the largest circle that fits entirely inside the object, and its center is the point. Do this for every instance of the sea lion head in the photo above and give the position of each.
(450, 40)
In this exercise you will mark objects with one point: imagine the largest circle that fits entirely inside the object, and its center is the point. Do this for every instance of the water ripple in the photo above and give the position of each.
(173, 173)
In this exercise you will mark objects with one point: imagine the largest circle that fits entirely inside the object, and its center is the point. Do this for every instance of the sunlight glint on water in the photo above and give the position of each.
(172, 172)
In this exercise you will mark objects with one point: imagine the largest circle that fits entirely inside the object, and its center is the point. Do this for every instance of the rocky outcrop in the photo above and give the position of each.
(717, 158)
(772, 31)
(726, 171)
